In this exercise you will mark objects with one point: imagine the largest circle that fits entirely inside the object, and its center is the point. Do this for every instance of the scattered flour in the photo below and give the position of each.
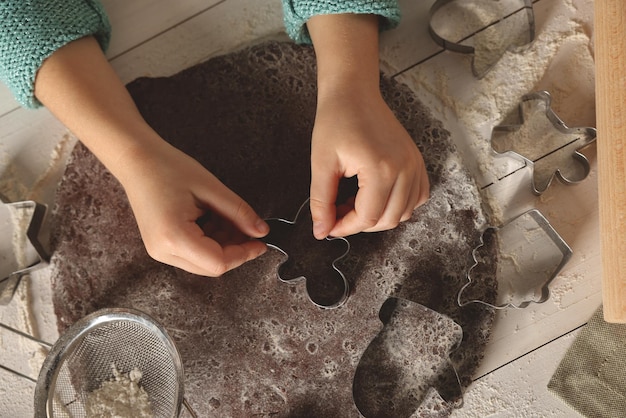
(563, 289)
(559, 60)
(120, 397)
(30, 308)
(13, 188)
(15, 184)
(480, 24)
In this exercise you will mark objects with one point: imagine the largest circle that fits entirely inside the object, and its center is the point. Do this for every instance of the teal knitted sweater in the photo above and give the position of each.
(297, 12)
(31, 30)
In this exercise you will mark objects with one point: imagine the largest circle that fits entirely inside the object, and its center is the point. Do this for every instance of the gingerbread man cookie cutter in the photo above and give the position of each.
(545, 143)
(310, 260)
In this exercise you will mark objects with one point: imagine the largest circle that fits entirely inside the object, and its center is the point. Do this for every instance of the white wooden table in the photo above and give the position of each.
(160, 38)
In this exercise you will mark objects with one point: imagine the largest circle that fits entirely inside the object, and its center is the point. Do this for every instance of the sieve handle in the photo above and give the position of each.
(30, 337)
(189, 409)
(23, 334)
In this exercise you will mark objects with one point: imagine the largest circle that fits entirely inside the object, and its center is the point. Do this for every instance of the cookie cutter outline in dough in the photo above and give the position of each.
(385, 314)
(544, 289)
(346, 286)
(9, 284)
(587, 134)
(467, 49)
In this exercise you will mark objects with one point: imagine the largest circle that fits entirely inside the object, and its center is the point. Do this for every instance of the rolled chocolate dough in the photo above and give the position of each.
(252, 345)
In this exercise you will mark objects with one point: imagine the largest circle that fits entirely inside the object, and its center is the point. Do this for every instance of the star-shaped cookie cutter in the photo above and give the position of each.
(545, 143)
(326, 285)
(527, 280)
(407, 360)
(489, 43)
(13, 269)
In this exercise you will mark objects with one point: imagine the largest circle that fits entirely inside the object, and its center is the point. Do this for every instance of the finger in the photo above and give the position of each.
(344, 208)
(424, 189)
(419, 194)
(212, 271)
(396, 205)
(206, 257)
(420, 191)
(183, 264)
(196, 253)
(414, 196)
(324, 186)
(232, 207)
(369, 205)
(221, 230)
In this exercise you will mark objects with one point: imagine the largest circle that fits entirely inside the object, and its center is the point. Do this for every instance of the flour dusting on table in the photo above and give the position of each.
(560, 60)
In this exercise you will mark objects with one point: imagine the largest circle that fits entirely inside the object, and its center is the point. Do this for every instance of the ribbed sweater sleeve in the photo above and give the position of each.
(31, 30)
(297, 12)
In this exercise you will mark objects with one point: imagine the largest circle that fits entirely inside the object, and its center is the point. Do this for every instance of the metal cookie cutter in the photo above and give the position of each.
(310, 259)
(453, 25)
(530, 255)
(545, 143)
(407, 361)
(20, 250)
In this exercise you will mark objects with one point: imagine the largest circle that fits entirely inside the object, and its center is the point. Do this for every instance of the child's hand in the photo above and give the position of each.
(168, 190)
(187, 217)
(356, 133)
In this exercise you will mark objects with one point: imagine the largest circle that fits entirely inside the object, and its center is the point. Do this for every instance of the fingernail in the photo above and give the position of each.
(262, 227)
(319, 230)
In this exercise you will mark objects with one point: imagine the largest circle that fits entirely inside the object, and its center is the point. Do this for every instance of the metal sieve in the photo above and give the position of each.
(83, 359)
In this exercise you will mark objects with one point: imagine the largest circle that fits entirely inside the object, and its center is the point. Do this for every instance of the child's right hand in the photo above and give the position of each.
(169, 192)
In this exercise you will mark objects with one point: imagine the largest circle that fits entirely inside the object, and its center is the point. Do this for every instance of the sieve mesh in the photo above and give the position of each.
(86, 358)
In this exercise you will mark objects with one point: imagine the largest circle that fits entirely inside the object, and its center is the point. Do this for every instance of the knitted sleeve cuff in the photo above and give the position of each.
(31, 30)
(297, 12)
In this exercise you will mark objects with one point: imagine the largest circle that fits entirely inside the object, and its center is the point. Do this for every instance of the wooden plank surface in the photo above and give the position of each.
(226, 27)
(470, 109)
(174, 35)
(133, 23)
(519, 389)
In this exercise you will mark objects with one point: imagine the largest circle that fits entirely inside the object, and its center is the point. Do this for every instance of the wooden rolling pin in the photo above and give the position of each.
(610, 69)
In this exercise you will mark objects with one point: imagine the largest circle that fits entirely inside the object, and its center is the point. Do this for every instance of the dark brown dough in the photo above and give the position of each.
(252, 345)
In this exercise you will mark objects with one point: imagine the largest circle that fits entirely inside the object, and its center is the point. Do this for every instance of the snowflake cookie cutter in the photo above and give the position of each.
(21, 221)
(407, 361)
(492, 31)
(531, 254)
(557, 154)
(326, 285)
